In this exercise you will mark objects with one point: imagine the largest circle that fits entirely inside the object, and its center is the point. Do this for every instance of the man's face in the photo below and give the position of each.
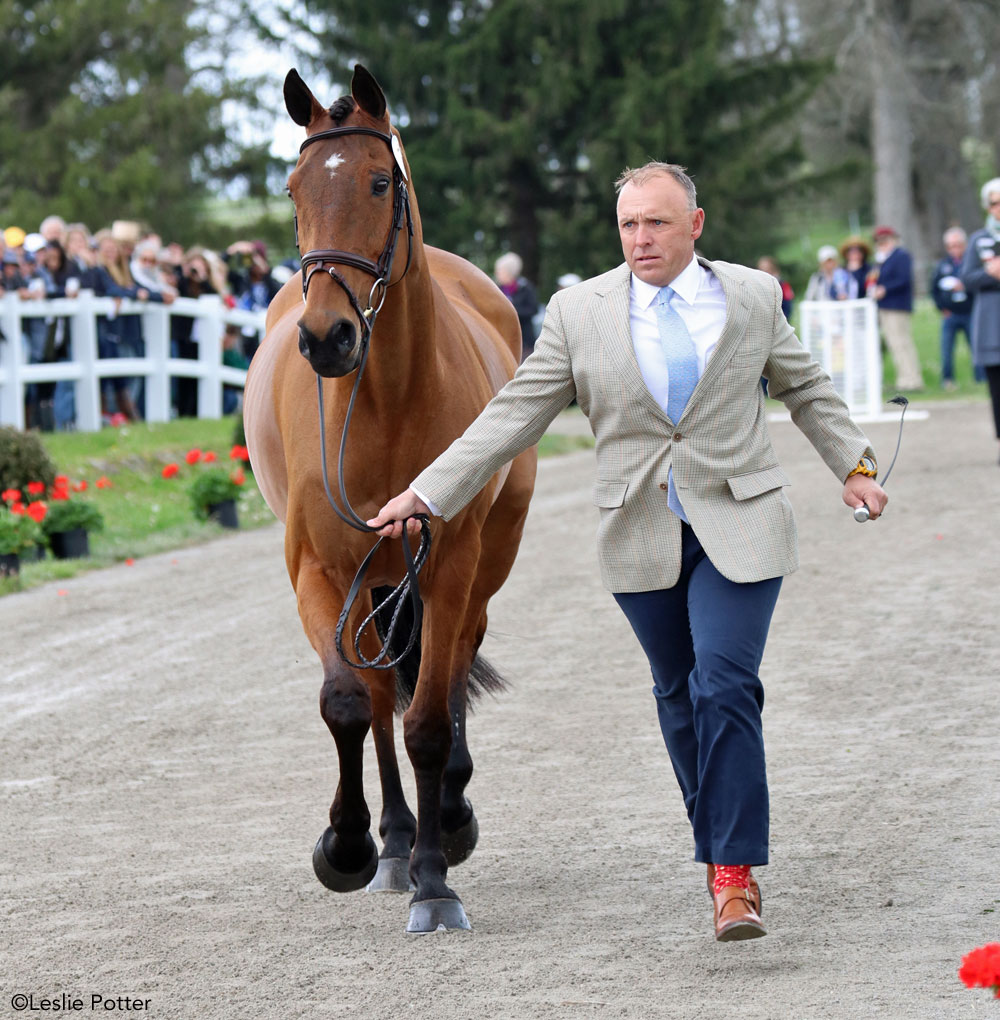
(955, 247)
(657, 229)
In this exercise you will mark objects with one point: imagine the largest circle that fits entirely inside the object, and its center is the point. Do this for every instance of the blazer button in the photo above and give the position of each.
(677, 437)
(663, 485)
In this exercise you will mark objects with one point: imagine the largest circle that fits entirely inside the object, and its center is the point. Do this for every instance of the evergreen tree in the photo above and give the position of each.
(518, 116)
(102, 116)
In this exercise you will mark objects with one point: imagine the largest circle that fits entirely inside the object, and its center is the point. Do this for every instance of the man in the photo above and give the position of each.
(894, 295)
(953, 303)
(665, 355)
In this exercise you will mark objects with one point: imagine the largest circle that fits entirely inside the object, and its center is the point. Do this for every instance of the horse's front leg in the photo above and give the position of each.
(345, 857)
(427, 733)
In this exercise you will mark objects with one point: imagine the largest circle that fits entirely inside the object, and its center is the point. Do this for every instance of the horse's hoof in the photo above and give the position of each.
(335, 879)
(429, 916)
(458, 845)
(393, 875)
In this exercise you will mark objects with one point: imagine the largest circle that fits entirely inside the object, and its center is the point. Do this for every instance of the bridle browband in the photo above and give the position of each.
(325, 259)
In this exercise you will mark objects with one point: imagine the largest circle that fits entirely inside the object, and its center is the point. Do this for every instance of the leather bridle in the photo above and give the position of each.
(326, 259)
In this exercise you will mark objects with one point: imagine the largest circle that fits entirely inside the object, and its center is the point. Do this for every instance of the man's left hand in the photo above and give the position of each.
(860, 490)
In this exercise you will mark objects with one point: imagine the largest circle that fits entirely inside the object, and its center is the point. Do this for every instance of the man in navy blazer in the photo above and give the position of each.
(894, 294)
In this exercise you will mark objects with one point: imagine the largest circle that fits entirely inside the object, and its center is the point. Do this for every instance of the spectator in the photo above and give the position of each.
(201, 273)
(768, 264)
(252, 284)
(56, 402)
(521, 293)
(857, 254)
(232, 396)
(831, 282)
(981, 278)
(118, 336)
(953, 302)
(893, 292)
(80, 247)
(12, 278)
(13, 239)
(53, 228)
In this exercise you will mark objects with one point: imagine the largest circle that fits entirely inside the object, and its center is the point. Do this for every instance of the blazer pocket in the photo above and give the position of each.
(757, 482)
(609, 495)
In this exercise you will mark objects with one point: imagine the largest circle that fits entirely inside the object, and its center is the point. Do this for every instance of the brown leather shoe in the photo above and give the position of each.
(755, 897)
(735, 917)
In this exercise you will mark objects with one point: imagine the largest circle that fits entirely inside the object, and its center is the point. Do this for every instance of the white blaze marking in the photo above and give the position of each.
(333, 162)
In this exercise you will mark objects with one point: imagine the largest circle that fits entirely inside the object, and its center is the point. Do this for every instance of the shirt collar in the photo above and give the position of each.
(685, 285)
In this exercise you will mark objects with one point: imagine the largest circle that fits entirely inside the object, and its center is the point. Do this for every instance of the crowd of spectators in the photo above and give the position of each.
(125, 261)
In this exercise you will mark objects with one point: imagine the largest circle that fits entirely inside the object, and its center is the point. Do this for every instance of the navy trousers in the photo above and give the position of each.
(704, 639)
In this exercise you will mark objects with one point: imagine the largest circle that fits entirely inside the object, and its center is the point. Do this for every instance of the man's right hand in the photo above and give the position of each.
(389, 520)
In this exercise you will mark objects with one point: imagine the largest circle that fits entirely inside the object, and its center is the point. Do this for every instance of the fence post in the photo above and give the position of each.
(11, 360)
(156, 333)
(83, 331)
(210, 330)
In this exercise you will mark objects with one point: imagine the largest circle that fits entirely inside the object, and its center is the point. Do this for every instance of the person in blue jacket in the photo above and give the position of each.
(894, 296)
(954, 303)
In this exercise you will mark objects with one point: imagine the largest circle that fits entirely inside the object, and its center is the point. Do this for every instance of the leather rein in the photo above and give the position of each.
(325, 260)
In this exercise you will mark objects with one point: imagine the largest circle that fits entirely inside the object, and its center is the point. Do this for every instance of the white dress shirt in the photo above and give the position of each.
(699, 300)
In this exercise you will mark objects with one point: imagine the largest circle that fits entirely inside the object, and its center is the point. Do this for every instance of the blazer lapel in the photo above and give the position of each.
(613, 320)
(737, 317)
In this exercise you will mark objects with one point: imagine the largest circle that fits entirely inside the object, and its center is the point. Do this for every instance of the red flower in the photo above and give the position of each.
(239, 453)
(103, 482)
(170, 470)
(36, 488)
(37, 511)
(80, 486)
(129, 562)
(118, 419)
(60, 492)
(61, 481)
(238, 477)
(209, 457)
(10, 495)
(193, 456)
(17, 508)
(981, 968)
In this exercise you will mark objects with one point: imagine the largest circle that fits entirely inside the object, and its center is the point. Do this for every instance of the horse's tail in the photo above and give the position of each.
(483, 678)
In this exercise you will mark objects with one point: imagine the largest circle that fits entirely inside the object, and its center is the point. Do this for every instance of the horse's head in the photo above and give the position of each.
(352, 214)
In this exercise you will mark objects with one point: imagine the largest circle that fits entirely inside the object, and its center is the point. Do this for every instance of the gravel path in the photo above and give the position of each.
(166, 773)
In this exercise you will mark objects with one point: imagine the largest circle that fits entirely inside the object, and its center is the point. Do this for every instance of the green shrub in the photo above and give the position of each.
(18, 533)
(69, 514)
(212, 486)
(23, 459)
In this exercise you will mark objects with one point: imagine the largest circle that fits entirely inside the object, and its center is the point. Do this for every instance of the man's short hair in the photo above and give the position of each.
(990, 188)
(641, 174)
(954, 232)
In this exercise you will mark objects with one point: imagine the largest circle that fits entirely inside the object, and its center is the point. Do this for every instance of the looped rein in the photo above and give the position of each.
(312, 261)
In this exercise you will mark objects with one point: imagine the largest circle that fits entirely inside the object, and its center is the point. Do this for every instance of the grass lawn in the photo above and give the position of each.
(145, 513)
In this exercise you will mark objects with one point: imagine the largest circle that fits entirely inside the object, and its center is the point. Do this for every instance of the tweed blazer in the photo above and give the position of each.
(725, 468)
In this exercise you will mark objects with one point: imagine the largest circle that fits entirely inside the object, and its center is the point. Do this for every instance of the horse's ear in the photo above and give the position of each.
(303, 107)
(367, 92)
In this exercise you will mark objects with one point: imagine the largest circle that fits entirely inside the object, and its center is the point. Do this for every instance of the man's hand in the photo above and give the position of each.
(389, 520)
(860, 490)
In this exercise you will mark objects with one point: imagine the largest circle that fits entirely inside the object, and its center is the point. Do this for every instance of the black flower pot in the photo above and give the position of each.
(224, 513)
(10, 564)
(70, 545)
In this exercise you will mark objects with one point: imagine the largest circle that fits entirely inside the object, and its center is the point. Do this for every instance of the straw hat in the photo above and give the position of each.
(13, 237)
(854, 241)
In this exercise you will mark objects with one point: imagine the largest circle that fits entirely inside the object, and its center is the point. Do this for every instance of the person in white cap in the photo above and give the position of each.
(831, 282)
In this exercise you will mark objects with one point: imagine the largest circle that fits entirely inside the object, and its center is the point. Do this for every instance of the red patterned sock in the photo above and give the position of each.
(731, 874)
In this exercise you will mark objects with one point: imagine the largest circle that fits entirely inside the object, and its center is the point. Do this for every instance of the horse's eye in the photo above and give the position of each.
(380, 185)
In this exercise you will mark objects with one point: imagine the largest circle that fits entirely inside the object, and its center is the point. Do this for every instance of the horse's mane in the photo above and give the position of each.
(342, 108)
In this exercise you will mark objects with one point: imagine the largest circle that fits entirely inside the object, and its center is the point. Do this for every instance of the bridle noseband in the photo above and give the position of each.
(325, 259)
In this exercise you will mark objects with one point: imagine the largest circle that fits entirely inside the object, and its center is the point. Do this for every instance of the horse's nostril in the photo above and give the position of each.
(343, 334)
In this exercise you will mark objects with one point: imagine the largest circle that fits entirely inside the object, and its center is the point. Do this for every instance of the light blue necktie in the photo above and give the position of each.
(682, 372)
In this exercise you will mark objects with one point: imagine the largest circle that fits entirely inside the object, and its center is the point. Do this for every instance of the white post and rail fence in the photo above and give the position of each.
(87, 368)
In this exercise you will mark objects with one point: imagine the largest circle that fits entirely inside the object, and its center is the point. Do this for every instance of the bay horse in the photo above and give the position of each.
(435, 339)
